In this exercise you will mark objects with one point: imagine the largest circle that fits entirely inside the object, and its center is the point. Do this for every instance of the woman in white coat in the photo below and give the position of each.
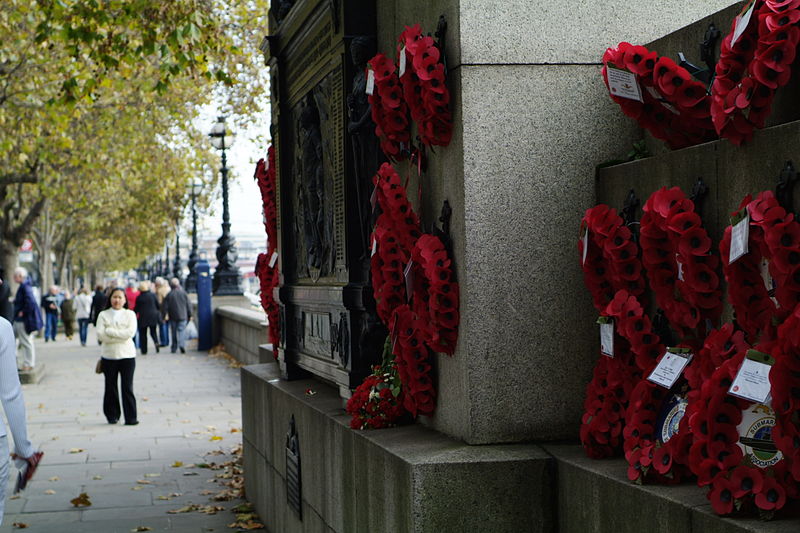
(116, 326)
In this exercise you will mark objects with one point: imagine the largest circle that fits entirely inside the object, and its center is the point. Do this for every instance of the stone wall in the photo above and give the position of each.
(242, 332)
(532, 119)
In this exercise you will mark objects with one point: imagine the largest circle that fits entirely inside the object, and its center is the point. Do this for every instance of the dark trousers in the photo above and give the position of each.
(143, 337)
(83, 329)
(50, 326)
(123, 368)
(163, 329)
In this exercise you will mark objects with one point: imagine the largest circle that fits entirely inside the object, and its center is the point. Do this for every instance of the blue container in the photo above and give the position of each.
(203, 272)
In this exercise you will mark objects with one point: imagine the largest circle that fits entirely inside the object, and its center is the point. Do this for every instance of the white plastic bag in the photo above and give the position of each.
(191, 330)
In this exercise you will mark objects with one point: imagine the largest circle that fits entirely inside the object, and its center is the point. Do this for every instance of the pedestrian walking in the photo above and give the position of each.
(14, 407)
(116, 326)
(177, 311)
(147, 313)
(131, 293)
(99, 303)
(68, 314)
(6, 307)
(162, 289)
(27, 319)
(83, 312)
(51, 303)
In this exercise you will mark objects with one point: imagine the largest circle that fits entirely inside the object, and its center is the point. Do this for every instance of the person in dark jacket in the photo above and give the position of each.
(99, 303)
(6, 307)
(177, 311)
(27, 318)
(68, 314)
(147, 312)
(51, 303)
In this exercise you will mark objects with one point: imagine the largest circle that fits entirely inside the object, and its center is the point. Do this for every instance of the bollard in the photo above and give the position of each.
(202, 271)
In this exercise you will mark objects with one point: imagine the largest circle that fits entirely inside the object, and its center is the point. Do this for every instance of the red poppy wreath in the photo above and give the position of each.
(266, 265)
(389, 109)
(785, 382)
(405, 260)
(753, 67)
(657, 435)
(635, 347)
(676, 252)
(612, 260)
(673, 107)
(425, 86)
(733, 452)
(763, 284)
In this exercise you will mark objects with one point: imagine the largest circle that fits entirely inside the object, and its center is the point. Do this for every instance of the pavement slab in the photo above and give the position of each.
(189, 417)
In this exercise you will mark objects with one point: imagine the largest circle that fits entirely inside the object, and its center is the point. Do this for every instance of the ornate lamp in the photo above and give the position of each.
(227, 278)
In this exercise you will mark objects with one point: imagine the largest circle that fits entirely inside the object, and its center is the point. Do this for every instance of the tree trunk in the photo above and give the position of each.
(8, 259)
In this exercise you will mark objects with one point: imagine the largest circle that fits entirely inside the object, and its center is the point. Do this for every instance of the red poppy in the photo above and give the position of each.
(684, 221)
(721, 496)
(772, 495)
(780, 6)
(639, 60)
(669, 77)
(776, 20)
(662, 459)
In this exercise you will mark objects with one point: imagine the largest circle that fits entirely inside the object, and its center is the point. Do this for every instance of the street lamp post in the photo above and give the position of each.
(191, 279)
(176, 267)
(166, 259)
(227, 278)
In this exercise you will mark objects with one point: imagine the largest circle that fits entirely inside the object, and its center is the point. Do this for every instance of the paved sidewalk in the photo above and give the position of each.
(189, 405)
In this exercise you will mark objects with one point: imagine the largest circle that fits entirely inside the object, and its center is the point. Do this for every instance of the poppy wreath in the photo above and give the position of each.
(674, 107)
(430, 322)
(652, 453)
(752, 69)
(378, 401)
(425, 87)
(737, 481)
(435, 293)
(413, 361)
(676, 252)
(269, 276)
(785, 385)
(389, 109)
(612, 257)
(635, 347)
(774, 238)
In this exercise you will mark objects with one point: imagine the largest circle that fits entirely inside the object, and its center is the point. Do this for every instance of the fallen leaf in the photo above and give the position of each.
(190, 474)
(211, 428)
(54, 478)
(141, 528)
(169, 496)
(49, 491)
(152, 475)
(186, 421)
(55, 438)
(40, 406)
(20, 525)
(235, 430)
(76, 450)
(177, 464)
(215, 437)
(81, 501)
(137, 487)
(188, 509)
(144, 482)
(146, 399)
(96, 477)
(245, 507)
(15, 497)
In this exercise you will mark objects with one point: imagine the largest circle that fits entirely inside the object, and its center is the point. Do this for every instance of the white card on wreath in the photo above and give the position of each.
(623, 84)
(740, 235)
(607, 338)
(402, 67)
(370, 81)
(752, 381)
(742, 22)
(273, 259)
(374, 246)
(585, 240)
(669, 369)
